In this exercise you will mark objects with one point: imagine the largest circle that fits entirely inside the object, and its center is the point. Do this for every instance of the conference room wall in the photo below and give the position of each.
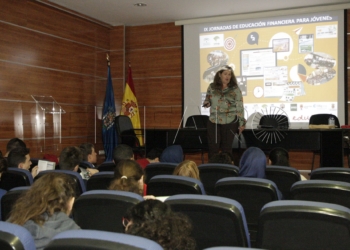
(46, 52)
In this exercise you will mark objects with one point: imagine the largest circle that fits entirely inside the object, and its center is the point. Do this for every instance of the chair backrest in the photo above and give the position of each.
(159, 168)
(167, 185)
(231, 248)
(15, 177)
(319, 119)
(274, 121)
(15, 237)
(125, 131)
(210, 173)
(106, 166)
(80, 185)
(99, 240)
(216, 221)
(251, 193)
(336, 192)
(333, 174)
(303, 225)
(9, 199)
(100, 181)
(107, 208)
(283, 177)
(197, 121)
(2, 193)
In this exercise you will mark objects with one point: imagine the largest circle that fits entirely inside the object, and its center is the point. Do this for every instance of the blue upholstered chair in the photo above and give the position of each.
(294, 225)
(216, 221)
(103, 209)
(15, 237)
(252, 194)
(167, 185)
(336, 192)
(210, 173)
(100, 181)
(81, 186)
(334, 174)
(15, 177)
(284, 177)
(99, 240)
(158, 168)
(9, 199)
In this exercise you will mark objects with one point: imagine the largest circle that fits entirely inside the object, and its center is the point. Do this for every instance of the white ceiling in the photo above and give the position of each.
(123, 12)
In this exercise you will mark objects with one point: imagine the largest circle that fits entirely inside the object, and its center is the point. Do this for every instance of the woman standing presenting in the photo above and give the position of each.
(226, 111)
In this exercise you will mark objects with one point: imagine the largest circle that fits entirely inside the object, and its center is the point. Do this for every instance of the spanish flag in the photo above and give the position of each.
(129, 104)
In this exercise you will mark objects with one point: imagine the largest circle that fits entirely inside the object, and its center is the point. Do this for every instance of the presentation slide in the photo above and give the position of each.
(292, 65)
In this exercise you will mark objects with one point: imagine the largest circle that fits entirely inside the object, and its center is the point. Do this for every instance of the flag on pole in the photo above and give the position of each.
(109, 134)
(129, 104)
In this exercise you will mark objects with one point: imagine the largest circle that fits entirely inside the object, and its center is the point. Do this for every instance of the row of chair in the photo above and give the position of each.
(219, 221)
(15, 237)
(283, 177)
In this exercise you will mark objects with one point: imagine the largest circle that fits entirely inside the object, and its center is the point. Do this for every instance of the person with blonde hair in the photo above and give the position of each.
(45, 208)
(128, 176)
(187, 168)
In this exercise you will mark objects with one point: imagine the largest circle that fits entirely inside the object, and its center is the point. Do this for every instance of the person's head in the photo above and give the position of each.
(52, 192)
(14, 143)
(172, 154)
(89, 153)
(70, 158)
(222, 158)
(279, 157)
(128, 176)
(122, 152)
(156, 221)
(187, 168)
(19, 158)
(3, 165)
(253, 163)
(154, 154)
(225, 75)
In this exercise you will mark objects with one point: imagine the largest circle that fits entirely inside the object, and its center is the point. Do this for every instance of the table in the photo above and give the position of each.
(328, 142)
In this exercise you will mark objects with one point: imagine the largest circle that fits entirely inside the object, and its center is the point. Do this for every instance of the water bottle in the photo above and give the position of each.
(331, 121)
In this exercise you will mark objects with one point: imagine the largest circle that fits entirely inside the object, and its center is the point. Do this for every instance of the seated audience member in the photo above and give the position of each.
(45, 208)
(156, 221)
(70, 158)
(280, 157)
(222, 158)
(128, 176)
(89, 158)
(122, 152)
(152, 156)
(172, 154)
(253, 163)
(3, 165)
(187, 168)
(14, 143)
(20, 158)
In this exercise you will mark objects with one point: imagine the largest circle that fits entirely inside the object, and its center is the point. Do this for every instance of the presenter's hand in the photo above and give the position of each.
(240, 129)
(206, 105)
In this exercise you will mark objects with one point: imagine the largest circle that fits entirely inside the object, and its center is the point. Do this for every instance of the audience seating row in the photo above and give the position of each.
(15, 237)
(217, 221)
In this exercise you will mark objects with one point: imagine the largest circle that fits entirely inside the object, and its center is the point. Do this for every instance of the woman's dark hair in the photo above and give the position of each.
(156, 221)
(126, 177)
(217, 84)
(222, 157)
(279, 157)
